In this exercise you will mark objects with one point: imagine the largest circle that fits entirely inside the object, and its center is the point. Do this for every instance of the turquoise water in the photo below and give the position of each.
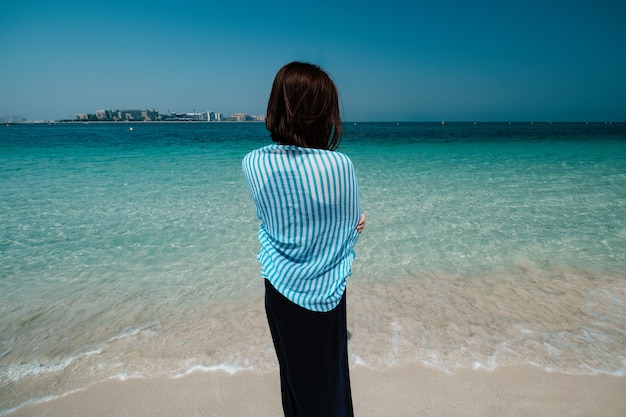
(131, 253)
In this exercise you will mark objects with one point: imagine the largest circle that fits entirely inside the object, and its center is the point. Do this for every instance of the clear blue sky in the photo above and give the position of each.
(413, 60)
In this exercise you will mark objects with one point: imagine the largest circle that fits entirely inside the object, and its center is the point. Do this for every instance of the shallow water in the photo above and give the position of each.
(132, 253)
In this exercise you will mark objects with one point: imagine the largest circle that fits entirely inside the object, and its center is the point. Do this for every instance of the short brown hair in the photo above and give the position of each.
(303, 108)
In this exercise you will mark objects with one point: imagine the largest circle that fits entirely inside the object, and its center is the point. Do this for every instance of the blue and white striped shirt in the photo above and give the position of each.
(308, 203)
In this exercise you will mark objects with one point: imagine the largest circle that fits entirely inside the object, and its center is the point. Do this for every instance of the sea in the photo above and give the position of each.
(127, 250)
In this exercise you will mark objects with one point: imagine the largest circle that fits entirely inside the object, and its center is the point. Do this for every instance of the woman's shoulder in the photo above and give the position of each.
(259, 152)
(293, 150)
(263, 149)
(338, 156)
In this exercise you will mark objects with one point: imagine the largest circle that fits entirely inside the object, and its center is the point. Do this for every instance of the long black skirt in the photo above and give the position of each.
(312, 350)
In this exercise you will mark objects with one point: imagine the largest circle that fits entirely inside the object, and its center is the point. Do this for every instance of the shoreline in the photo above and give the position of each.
(414, 390)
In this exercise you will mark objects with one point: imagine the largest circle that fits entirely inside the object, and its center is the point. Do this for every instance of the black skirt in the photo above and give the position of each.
(312, 350)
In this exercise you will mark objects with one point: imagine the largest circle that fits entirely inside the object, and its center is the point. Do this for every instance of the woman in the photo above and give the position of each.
(307, 198)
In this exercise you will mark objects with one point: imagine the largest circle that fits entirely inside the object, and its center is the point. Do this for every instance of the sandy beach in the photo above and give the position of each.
(400, 392)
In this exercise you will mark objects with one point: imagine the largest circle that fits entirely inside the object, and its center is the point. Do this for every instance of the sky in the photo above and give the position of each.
(532, 60)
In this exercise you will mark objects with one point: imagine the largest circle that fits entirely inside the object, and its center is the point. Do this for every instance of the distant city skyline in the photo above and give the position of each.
(146, 115)
(136, 115)
(406, 61)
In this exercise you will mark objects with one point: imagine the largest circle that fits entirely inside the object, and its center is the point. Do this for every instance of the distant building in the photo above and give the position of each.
(197, 117)
(104, 115)
(207, 116)
(121, 115)
(86, 117)
(137, 115)
(240, 117)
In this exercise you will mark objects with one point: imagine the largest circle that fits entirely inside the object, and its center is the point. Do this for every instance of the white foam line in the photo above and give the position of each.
(229, 369)
(41, 400)
(45, 399)
(36, 369)
(35, 401)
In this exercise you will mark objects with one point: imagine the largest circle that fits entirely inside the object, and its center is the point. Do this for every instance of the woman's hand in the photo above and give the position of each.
(361, 225)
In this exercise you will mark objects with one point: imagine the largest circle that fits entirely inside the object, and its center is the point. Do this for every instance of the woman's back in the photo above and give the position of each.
(308, 202)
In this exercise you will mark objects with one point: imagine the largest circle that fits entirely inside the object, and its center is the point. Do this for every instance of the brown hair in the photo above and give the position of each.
(303, 108)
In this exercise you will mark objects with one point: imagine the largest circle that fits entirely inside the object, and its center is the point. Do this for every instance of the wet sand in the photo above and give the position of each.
(399, 392)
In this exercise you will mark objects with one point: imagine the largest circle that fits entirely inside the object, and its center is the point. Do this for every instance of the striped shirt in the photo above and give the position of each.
(308, 203)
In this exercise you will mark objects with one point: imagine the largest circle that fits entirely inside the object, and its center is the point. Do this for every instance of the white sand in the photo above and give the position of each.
(409, 391)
